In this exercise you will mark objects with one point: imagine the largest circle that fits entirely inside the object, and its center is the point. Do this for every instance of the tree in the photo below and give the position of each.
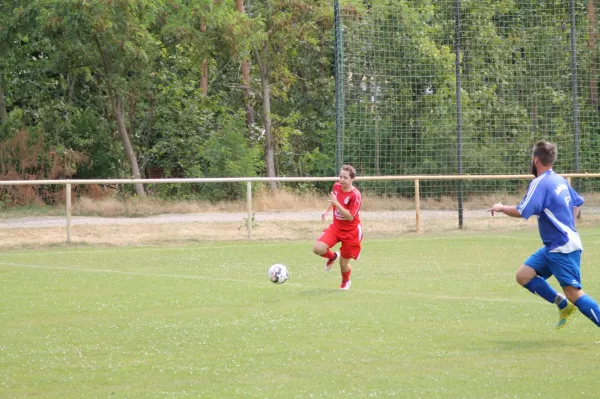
(283, 26)
(239, 6)
(116, 42)
(2, 105)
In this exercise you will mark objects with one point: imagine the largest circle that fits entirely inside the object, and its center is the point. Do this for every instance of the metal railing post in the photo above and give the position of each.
(418, 205)
(249, 207)
(69, 212)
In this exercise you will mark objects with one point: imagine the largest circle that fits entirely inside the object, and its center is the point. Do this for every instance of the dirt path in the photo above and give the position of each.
(233, 217)
(180, 228)
(42, 231)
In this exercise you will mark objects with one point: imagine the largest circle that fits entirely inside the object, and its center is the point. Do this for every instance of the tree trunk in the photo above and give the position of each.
(247, 94)
(71, 79)
(204, 69)
(204, 81)
(2, 106)
(147, 136)
(239, 6)
(593, 54)
(269, 145)
(116, 102)
(117, 105)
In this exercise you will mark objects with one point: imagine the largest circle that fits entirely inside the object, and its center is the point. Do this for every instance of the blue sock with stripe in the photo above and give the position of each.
(539, 286)
(589, 307)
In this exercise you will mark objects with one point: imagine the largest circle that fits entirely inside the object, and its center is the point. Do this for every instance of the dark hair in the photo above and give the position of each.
(351, 171)
(545, 151)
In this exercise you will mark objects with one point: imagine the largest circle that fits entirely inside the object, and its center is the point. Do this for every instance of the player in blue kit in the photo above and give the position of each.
(556, 205)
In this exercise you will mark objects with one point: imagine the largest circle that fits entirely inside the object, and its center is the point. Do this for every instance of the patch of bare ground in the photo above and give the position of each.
(280, 230)
(276, 219)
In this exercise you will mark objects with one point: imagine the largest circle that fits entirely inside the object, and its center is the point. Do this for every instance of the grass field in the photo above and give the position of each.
(427, 317)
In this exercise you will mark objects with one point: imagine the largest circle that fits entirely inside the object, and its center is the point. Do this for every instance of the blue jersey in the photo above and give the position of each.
(552, 199)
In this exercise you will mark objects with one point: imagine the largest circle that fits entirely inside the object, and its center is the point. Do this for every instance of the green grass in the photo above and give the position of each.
(427, 317)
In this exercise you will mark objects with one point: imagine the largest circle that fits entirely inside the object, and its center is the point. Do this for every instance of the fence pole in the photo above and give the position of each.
(418, 205)
(571, 185)
(249, 206)
(69, 212)
(459, 124)
(339, 83)
(574, 87)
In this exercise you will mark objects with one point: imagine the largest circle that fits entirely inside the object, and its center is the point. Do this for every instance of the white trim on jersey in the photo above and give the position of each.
(574, 241)
(530, 192)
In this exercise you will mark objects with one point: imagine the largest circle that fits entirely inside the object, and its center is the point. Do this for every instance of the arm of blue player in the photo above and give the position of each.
(505, 209)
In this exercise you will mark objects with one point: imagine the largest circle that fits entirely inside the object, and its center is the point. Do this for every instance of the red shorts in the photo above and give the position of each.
(350, 240)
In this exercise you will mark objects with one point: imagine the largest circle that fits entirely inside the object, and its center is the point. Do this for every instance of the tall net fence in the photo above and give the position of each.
(466, 87)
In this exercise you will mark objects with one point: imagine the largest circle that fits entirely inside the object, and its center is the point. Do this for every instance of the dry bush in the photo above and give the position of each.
(112, 206)
(286, 200)
(96, 191)
(278, 201)
(23, 157)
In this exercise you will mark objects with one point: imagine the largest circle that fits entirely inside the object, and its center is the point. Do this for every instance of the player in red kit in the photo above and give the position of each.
(345, 199)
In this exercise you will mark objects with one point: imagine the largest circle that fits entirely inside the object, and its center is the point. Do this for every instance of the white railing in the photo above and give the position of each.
(249, 180)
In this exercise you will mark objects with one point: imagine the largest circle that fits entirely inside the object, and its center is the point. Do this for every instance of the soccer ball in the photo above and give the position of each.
(278, 273)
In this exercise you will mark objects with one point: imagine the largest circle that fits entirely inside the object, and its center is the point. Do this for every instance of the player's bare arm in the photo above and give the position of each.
(576, 210)
(343, 211)
(507, 210)
(324, 214)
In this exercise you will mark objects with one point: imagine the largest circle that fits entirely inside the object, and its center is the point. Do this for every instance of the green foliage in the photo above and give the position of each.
(220, 151)
(66, 65)
(228, 155)
(252, 222)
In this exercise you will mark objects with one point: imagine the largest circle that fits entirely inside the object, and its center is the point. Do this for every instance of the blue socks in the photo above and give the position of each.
(590, 308)
(586, 304)
(539, 286)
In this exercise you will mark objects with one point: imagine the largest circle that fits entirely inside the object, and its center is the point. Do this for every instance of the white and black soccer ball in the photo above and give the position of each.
(278, 273)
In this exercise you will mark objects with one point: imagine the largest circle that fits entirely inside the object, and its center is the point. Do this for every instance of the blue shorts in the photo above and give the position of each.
(565, 267)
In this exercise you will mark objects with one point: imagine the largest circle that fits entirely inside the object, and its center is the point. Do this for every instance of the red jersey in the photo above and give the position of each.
(350, 200)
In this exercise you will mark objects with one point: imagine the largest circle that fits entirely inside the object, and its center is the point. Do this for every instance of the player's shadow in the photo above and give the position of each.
(319, 291)
(530, 344)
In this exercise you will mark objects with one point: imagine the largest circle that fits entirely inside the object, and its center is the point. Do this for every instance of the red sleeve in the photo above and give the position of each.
(354, 205)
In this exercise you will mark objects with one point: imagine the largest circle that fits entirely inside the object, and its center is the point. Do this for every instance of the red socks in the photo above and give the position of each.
(329, 255)
(346, 276)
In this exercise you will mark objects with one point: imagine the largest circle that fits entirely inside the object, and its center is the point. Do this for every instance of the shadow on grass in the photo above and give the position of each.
(535, 344)
(319, 291)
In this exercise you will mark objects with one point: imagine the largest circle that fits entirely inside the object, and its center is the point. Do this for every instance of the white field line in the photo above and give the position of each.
(137, 248)
(205, 278)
